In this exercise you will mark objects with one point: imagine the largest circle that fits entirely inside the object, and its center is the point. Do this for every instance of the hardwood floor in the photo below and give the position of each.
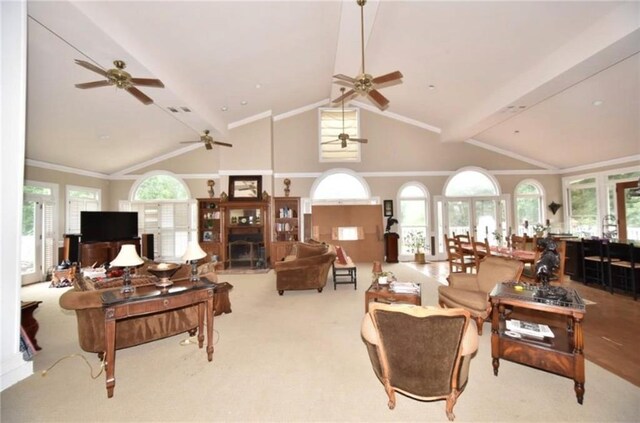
(611, 325)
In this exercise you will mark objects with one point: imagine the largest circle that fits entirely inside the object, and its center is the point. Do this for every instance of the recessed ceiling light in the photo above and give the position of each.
(432, 87)
(104, 137)
(224, 108)
(258, 86)
(244, 102)
(598, 103)
(516, 132)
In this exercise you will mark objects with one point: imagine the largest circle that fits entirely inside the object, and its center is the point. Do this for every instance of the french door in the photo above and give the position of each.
(480, 216)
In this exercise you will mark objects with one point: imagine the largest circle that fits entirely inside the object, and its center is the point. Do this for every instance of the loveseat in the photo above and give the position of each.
(85, 299)
(307, 267)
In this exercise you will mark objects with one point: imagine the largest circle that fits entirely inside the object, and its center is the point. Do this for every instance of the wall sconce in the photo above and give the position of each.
(554, 207)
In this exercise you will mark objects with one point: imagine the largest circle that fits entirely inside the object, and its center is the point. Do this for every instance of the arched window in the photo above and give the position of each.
(471, 183)
(340, 184)
(529, 205)
(160, 187)
(165, 210)
(414, 200)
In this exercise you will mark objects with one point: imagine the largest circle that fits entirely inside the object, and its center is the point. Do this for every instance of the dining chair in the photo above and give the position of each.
(458, 261)
(480, 251)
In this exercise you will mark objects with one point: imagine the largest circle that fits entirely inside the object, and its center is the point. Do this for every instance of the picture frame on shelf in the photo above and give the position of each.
(388, 208)
(245, 188)
(207, 236)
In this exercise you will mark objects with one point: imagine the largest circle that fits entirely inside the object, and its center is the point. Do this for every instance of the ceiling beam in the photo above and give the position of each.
(608, 41)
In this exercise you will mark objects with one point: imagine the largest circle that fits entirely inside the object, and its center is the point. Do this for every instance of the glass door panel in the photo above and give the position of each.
(459, 215)
(485, 219)
(31, 244)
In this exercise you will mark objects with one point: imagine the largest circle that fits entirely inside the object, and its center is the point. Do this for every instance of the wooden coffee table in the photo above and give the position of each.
(383, 294)
(563, 354)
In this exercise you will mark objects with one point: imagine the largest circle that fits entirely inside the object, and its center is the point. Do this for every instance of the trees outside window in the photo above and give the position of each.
(529, 201)
(413, 198)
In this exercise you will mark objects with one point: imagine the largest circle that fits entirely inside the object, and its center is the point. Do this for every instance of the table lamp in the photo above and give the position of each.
(127, 258)
(192, 255)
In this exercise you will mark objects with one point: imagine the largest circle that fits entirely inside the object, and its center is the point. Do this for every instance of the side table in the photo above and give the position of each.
(149, 300)
(383, 294)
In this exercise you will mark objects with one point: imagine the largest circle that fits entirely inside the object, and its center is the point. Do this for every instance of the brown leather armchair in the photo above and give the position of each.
(471, 291)
(422, 352)
(306, 268)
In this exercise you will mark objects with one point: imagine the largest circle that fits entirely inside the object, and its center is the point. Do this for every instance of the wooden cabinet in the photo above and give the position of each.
(210, 226)
(100, 253)
(286, 226)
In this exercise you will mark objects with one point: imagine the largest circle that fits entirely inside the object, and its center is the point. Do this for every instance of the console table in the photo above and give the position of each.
(563, 354)
(29, 323)
(149, 300)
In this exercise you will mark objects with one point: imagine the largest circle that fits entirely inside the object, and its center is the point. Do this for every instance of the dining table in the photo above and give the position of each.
(525, 256)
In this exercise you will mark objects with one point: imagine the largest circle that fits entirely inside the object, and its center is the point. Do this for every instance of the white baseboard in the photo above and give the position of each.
(14, 369)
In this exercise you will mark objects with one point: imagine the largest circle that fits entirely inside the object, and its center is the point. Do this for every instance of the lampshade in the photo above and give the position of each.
(194, 252)
(128, 256)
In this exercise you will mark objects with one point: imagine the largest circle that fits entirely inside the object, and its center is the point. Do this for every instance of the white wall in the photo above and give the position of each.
(13, 26)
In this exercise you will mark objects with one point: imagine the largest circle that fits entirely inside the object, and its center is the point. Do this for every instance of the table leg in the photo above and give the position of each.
(210, 312)
(110, 345)
(578, 371)
(200, 324)
(497, 311)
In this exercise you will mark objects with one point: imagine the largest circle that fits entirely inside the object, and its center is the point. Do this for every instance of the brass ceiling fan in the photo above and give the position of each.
(208, 141)
(121, 79)
(365, 84)
(343, 137)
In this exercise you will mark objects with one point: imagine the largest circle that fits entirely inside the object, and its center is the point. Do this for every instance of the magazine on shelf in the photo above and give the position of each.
(535, 330)
(404, 287)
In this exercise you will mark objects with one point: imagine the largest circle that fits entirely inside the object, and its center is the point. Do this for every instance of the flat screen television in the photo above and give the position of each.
(108, 226)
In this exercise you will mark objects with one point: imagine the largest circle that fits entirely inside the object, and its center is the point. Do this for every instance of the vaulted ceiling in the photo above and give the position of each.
(555, 83)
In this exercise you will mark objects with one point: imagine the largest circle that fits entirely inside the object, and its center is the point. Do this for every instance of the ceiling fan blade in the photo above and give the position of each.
(345, 78)
(346, 96)
(330, 142)
(189, 142)
(223, 143)
(94, 84)
(91, 67)
(360, 140)
(208, 145)
(344, 83)
(139, 95)
(147, 82)
(379, 100)
(387, 78)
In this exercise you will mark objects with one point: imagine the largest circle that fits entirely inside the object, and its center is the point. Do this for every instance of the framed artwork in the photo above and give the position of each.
(388, 208)
(245, 188)
(207, 236)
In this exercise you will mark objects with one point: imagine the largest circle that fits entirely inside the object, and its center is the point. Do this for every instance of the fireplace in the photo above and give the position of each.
(246, 253)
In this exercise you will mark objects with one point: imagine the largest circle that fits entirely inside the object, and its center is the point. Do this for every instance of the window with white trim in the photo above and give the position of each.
(340, 186)
(164, 210)
(80, 199)
(529, 200)
(331, 148)
(413, 214)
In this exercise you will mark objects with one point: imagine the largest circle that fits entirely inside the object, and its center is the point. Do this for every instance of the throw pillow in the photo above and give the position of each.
(341, 255)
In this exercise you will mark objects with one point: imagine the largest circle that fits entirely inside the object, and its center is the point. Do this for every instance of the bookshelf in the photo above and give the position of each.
(286, 226)
(210, 224)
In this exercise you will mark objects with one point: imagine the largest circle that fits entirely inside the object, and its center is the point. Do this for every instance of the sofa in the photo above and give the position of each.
(307, 267)
(85, 299)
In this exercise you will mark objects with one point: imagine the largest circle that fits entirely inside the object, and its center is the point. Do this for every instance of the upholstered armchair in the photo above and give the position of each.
(306, 268)
(471, 291)
(422, 352)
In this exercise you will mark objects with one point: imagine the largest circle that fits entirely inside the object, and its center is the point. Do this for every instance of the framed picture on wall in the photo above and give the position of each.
(245, 188)
(388, 208)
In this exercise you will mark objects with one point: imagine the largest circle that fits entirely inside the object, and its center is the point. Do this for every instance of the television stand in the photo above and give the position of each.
(103, 251)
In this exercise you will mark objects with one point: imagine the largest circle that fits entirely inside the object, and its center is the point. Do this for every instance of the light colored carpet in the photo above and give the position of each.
(296, 357)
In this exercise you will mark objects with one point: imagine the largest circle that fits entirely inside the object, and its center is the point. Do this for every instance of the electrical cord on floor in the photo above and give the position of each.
(193, 340)
(44, 372)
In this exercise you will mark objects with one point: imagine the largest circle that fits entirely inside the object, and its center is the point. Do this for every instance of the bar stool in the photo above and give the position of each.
(595, 263)
(623, 272)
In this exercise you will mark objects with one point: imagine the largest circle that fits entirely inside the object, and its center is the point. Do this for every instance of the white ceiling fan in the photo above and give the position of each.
(343, 137)
(365, 84)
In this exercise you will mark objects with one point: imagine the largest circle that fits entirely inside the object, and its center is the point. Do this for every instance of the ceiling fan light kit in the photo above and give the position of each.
(364, 84)
(120, 78)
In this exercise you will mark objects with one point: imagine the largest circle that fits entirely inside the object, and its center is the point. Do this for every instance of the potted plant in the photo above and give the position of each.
(415, 242)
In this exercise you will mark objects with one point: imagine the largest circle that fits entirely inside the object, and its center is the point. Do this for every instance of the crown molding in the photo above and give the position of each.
(263, 172)
(133, 177)
(155, 160)
(249, 120)
(511, 154)
(605, 163)
(67, 169)
(397, 117)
